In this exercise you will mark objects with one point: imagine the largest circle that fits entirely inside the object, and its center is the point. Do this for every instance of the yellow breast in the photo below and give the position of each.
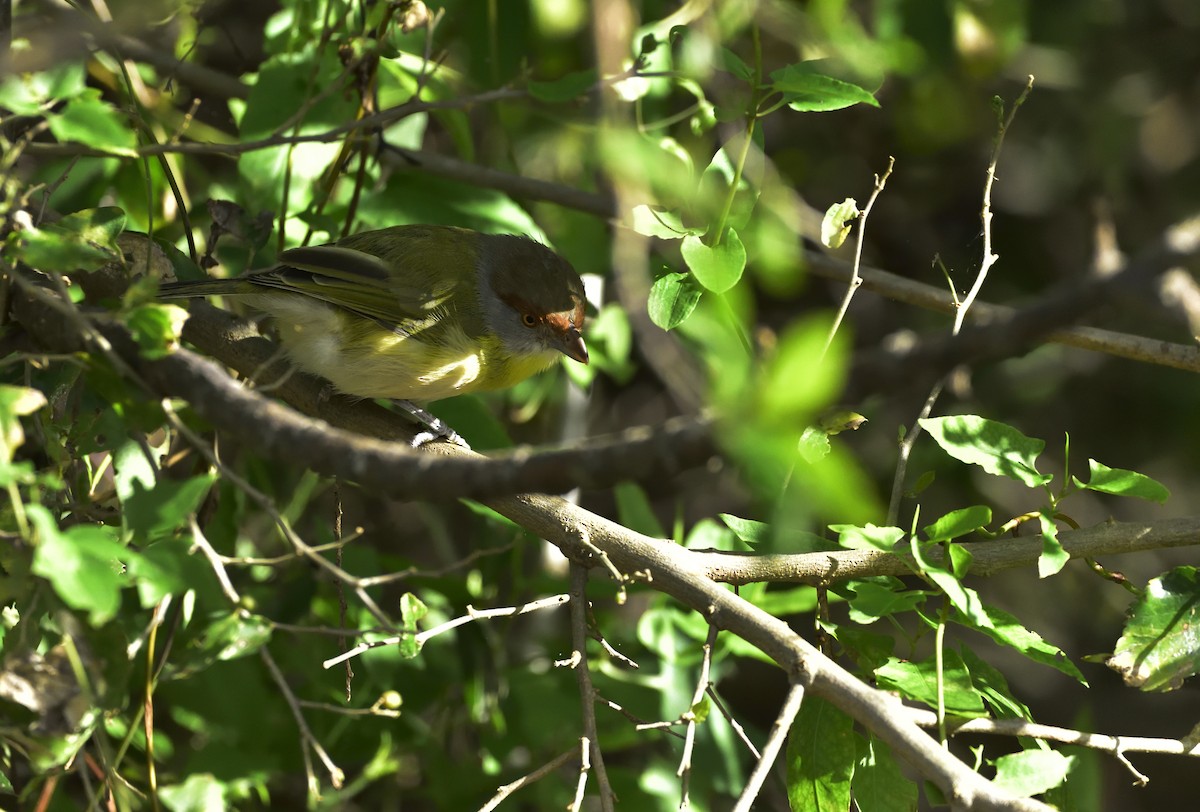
(361, 358)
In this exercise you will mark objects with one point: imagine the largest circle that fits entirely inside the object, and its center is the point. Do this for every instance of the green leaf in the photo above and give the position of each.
(168, 567)
(1121, 482)
(635, 512)
(732, 63)
(837, 222)
(672, 299)
(31, 94)
(800, 356)
(875, 599)
(752, 532)
(839, 420)
(708, 534)
(100, 226)
(879, 785)
(959, 522)
(1031, 772)
(15, 403)
(200, 792)
(717, 268)
(82, 563)
(794, 601)
(807, 91)
(234, 635)
(661, 223)
(52, 249)
(412, 611)
(869, 649)
(1160, 646)
(87, 119)
(820, 758)
(156, 328)
(923, 482)
(151, 513)
(1053, 557)
(565, 88)
(918, 681)
(869, 537)
(993, 687)
(814, 444)
(997, 448)
(1007, 630)
(948, 579)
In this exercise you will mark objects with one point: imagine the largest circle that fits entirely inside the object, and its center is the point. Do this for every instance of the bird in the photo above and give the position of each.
(416, 313)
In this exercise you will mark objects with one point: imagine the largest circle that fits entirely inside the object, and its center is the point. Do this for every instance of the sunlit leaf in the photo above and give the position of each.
(661, 223)
(1031, 772)
(873, 600)
(837, 222)
(997, 448)
(959, 522)
(1053, 557)
(869, 537)
(716, 267)
(83, 563)
(918, 681)
(15, 403)
(1160, 646)
(88, 119)
(1121, 482)
(808, 91)
(673, 297)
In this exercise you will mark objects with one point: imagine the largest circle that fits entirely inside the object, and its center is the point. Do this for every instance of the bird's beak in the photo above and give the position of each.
(573, 346)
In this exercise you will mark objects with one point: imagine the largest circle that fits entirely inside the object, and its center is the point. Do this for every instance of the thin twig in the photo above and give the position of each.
(1103, 742)
(587, 693)
(960, 315)
(527, 779)
(685, 761)
(264, 502)
(336, 776)
(585, 767)
(855, 278)
(733, 722)
(642, 724)
(779, 731)
(471, 616)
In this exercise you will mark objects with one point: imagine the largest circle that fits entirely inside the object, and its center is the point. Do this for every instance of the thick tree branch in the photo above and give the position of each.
(382, 465)
(989, 557)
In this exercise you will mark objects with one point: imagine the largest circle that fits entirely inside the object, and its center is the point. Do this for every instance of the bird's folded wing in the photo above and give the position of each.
(360, 282)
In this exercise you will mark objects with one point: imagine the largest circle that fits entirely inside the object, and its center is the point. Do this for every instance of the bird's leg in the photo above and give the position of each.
(435, 427)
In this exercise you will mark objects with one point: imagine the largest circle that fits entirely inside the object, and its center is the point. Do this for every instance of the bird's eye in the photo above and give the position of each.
(529, 320)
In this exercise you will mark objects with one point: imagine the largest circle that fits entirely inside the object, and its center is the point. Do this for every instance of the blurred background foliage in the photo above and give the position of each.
(1110, 136)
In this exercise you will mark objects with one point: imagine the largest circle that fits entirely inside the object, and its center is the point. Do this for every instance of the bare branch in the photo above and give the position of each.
(472, 615)
(988, 557)
(587, 693)
(855, 279)
(770, 751)
(527, 779)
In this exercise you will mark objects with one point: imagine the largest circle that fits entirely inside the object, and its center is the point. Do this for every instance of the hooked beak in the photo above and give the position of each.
(573, 346)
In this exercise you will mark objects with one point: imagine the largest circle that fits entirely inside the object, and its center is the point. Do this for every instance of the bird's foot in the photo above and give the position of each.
(434, 427)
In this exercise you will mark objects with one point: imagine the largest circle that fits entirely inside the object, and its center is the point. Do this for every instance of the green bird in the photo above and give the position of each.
(416, 312)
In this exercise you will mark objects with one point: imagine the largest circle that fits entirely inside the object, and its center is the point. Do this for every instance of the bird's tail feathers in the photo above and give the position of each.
(203, 287)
